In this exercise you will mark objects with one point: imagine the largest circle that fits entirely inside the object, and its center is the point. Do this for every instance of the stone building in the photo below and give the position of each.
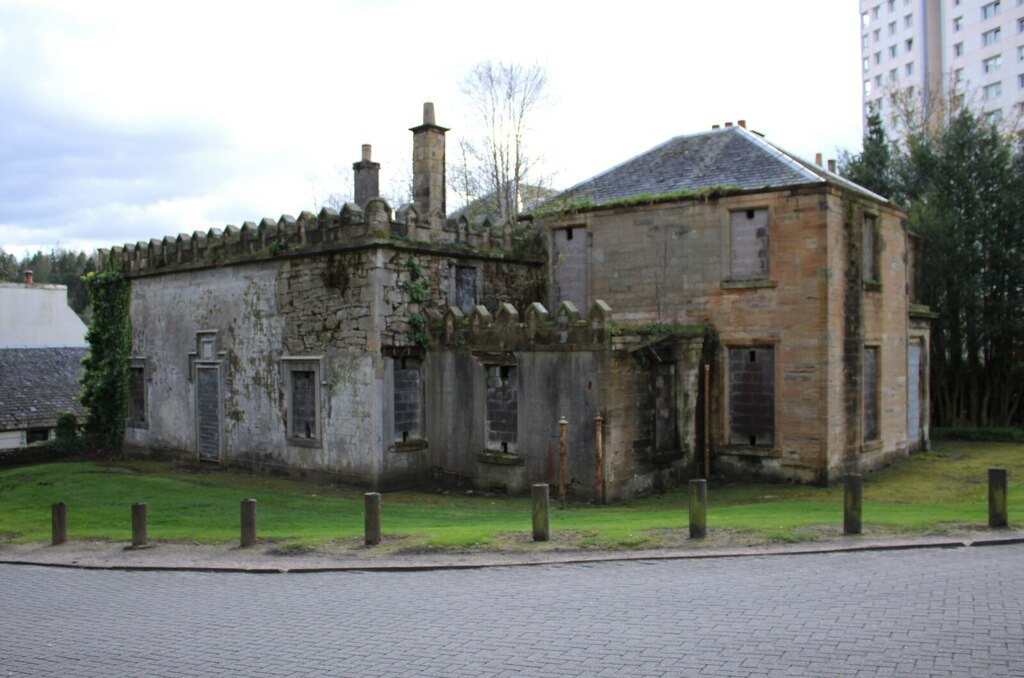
(400, 347)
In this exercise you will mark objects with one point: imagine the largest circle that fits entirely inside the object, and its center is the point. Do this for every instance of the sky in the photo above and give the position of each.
(126, 121)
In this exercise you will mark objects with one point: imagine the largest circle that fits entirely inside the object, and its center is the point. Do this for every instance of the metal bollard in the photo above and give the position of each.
(698, 508)
(541, 513)
(248, 523)
(59, 523)
(997, 513)
(852, 494)
(140, 529)
(371, 521)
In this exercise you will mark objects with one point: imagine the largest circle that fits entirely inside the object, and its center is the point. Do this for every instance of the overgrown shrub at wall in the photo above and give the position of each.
(107, 366)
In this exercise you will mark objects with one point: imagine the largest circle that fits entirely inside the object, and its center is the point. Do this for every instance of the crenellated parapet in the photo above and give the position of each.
(535, 329)
(330, 230)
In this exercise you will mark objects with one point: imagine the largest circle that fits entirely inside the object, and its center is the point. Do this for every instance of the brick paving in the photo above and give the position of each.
(924, 612)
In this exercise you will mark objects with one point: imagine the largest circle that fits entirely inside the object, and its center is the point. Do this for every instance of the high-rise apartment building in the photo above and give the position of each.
(920, 51)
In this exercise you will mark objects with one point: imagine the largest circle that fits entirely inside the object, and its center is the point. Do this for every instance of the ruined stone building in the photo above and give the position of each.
(712, 299)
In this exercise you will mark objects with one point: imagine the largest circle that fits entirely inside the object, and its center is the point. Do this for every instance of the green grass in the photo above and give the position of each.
(930, 492)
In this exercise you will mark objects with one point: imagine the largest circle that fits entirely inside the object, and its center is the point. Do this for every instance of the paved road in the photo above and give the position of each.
(934, 612)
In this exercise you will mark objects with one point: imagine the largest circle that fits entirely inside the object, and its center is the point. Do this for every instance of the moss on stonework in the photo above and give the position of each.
(710, 193)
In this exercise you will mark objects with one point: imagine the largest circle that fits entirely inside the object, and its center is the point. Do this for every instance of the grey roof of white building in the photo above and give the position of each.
(730, 156)
(37, 384)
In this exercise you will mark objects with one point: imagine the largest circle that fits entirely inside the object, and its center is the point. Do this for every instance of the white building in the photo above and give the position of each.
(42, 343)
(920, 49)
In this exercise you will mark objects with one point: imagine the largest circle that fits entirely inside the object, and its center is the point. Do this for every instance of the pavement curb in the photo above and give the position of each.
(511, 561)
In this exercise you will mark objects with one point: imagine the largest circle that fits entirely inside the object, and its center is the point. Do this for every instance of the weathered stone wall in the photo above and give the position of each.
(875, 313)
(344, 308)
(672, 263)
(561, 366)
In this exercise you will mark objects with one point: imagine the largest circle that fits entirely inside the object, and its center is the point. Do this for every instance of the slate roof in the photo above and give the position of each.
(37, 384)
(729, 156)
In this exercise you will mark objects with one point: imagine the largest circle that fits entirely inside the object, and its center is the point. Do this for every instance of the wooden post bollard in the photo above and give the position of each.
(140, 529)
(59, 523)
(541, 502)
(248, 523)
(853, 490)
(997, 513)
(562, 426)
(599, 459)
(371, 518)
(698, 508)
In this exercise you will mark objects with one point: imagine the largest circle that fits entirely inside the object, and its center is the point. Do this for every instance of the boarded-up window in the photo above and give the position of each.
(304, 404)
(465, 288)
(208, 420)
(408, 408)
(870, 248)
(870, 382)
(137, 397)
(914, 383)
(302, 395)
(569, 266)
(752, 396)
(665, 435)
(502, 408)
(748, 237)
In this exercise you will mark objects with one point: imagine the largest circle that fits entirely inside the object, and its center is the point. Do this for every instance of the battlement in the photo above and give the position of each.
(537, 329)
(313, 233)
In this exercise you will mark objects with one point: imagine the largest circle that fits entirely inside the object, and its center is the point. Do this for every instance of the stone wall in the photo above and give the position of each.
(339, 308)
(674, 262)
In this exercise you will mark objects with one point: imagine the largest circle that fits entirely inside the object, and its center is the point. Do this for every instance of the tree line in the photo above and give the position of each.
(58, 266)
(961, 180)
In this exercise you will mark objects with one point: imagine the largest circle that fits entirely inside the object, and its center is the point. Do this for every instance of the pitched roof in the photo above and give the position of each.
(731, 157)
(37, 384)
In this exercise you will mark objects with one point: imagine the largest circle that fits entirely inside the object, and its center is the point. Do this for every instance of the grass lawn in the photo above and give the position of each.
(932, 491)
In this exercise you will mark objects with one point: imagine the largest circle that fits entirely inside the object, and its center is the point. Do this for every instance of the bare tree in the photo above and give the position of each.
(493, 165)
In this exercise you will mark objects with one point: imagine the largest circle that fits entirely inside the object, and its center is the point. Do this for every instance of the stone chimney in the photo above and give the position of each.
(817, 159)
(28, 277)
(428, 169)
(832, 166)
(742, 123)
(367, 178)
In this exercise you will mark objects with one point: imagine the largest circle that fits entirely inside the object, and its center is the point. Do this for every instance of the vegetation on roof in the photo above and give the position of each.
(709, 193)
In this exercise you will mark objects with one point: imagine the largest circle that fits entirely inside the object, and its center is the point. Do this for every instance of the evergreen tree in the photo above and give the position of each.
(873, 168)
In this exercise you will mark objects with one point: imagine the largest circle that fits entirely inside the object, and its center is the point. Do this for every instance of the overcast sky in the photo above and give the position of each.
(128, 121)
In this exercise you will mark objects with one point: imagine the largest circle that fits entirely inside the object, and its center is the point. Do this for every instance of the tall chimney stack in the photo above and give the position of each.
(832, 166)
(28, 277)
(817, 159)
(367, 178)
(428, 169)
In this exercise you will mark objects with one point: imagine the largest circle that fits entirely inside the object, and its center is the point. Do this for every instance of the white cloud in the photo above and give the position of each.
(129, 120)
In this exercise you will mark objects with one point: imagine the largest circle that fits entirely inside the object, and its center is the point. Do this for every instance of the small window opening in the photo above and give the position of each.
(753, 356)
(568, 234)
(504, 448)
(750, 214)
(405, 436)
(504, 373)
(753, 441)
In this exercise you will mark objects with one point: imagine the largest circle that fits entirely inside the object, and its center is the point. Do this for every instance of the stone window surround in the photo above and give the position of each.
(315, 364)
(453, 281)
(728, 281)
(775, 450)
(137, 362)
